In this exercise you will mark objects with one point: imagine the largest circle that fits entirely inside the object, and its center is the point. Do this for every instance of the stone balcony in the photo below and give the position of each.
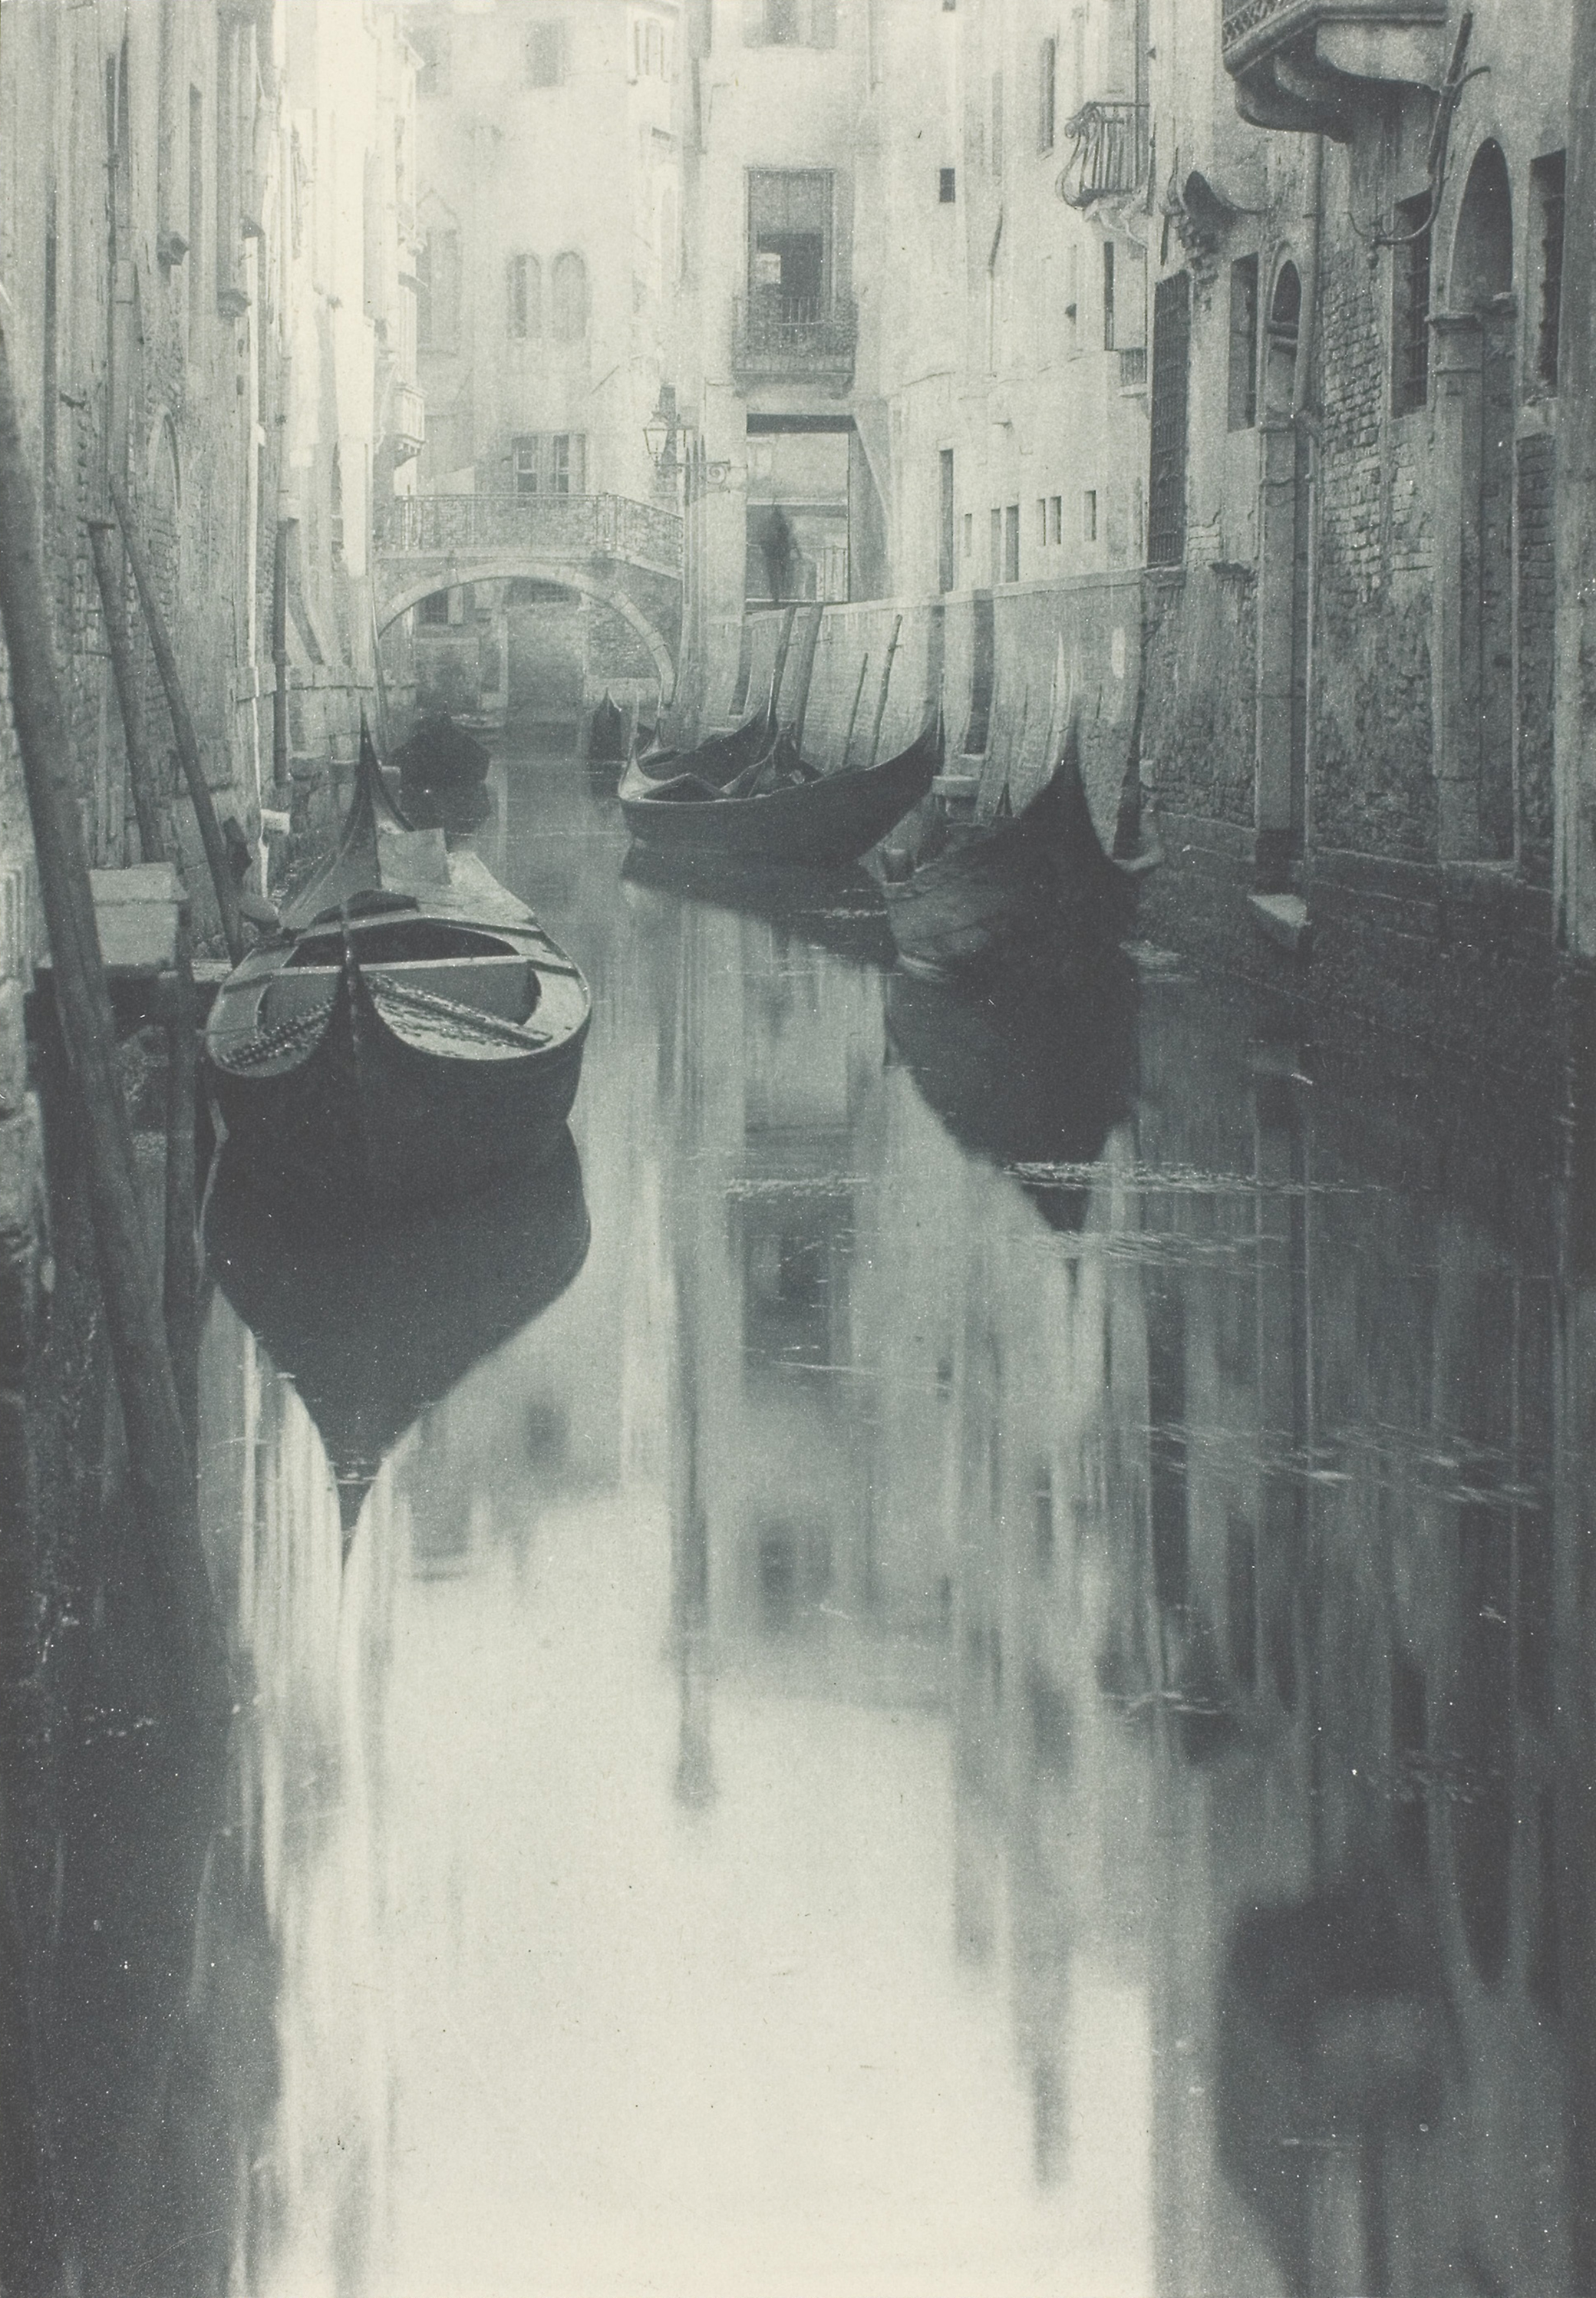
(1307, 64)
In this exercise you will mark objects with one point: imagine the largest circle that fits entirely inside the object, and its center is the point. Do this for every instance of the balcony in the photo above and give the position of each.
(1110, 152)
(794, 339)
(1305, 64)
(407, 420)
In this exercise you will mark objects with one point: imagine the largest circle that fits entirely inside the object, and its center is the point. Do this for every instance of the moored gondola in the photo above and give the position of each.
(440, 754)
(408, 1031)
(998, 897)
(777, 807)
(606, 744)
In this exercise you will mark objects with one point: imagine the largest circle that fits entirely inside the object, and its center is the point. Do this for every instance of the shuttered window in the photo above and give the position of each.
(1171, 347)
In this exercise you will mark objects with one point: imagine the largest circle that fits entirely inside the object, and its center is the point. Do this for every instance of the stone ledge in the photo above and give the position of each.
(1282, 919)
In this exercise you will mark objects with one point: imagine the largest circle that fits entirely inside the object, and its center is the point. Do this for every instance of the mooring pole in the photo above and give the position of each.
(279, 656)
(847, 739)
(779, 668)
(158, 1460)
(881, 700)
(141, 769)
(189, 749)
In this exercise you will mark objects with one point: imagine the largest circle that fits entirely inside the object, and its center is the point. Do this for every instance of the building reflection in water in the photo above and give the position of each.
(981, 1694)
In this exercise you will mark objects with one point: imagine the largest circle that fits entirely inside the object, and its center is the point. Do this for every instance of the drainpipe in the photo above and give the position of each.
(1301, 400)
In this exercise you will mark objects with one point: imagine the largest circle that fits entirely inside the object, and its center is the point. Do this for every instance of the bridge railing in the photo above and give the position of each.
(565, 526)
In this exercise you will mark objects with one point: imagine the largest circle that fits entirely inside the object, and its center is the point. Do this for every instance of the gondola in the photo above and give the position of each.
(441, 754)
(374, 1326)
(715, 762)
(408, 1031)
(1004, 896)
(778, 807)
(606, 734)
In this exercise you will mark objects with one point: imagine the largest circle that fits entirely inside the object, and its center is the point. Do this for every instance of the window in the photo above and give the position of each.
(567, 298)
(550, 463)
(1011, 544)
(1042, 521)
(526, 297)
(1108, 294)
(1046, 95)
(546, 54)
(438, 290)
(1410, 302)
(789, 23)
(1166, 492)
(969, 534)
(946, 185)
(1088, 516)
(648, 49)
(1547, 180)
(997, 524)
(431, 44)
(789, 243)
(434, 608)
(1243, 344)
(996, 147)
(1055, 519)
(944, 531)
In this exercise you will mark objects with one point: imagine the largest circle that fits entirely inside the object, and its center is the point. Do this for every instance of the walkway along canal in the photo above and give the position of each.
(985, 1690)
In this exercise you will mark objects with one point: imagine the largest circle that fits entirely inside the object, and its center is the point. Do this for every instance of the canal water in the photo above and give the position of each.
(933, 1668)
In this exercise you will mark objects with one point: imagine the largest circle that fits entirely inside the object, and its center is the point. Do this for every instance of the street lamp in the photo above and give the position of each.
(660, 433)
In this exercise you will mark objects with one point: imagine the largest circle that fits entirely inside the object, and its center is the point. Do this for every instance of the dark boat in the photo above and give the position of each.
(778, 807)
(456, 809)
(1003, 896)
(375, 1324)
(715, 762)
(838, 910)
(1031, 1075)
(408, 1031)
(440, 753)
(607, 734)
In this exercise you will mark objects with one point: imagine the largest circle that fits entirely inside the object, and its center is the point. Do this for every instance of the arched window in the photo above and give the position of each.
(568, 297)
(526, 297)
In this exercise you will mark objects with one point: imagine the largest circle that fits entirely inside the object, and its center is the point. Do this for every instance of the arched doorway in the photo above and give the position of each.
(1476, 342)
(1281, 722)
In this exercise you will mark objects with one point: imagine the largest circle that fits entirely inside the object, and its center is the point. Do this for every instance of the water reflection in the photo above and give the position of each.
(882, 1741)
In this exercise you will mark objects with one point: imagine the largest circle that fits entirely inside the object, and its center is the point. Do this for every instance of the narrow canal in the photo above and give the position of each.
(933, 1673)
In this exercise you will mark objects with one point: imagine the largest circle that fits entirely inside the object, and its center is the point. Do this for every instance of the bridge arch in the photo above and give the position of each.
(510, 565)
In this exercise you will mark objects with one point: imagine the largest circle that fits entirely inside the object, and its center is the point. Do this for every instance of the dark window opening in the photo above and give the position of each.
(790, 243)
(1547, 177)
(549, 462)
(1166, 492)
(525, 296)
(1011, 544)
(546, 55)
(945, 574)
(1088, 516)
(1046, 95)
(1108, 294)
(1243, 344)
(1411, 314)
(946, 185)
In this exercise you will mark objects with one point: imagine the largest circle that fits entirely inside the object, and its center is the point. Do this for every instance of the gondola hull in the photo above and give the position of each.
(819, 824)
(391, 1047)
(1036, 889)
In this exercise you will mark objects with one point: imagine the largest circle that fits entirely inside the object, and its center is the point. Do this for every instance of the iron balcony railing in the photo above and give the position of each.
(794, 337)
(1252, 28)
(1109, 154)
(548, 526)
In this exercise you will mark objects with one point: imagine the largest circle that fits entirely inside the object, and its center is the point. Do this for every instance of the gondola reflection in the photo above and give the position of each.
(374, 1322)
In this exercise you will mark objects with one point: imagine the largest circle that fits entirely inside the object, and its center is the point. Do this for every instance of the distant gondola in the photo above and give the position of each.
(408, 1031)
(778, 807)
(1003, 896)
(374, 1326)
(606, 734)
(440, 754)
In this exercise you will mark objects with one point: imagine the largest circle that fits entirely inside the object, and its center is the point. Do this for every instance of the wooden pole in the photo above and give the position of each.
(779, 668)
(189, 749)
(159, 1461)
(279, 656)
(810, 651)
(141, 767)
(881, 700)
(847, 739)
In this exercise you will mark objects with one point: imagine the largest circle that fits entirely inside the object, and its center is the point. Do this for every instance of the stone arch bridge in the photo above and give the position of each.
(625, 555)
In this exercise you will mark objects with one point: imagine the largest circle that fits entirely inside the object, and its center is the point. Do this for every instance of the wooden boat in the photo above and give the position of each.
(606, 734)
(408, 1031)
(1006, 895)
(376, 1323)
(778, 807)
(440, 754)
(715, 762)
(1029, 1075)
